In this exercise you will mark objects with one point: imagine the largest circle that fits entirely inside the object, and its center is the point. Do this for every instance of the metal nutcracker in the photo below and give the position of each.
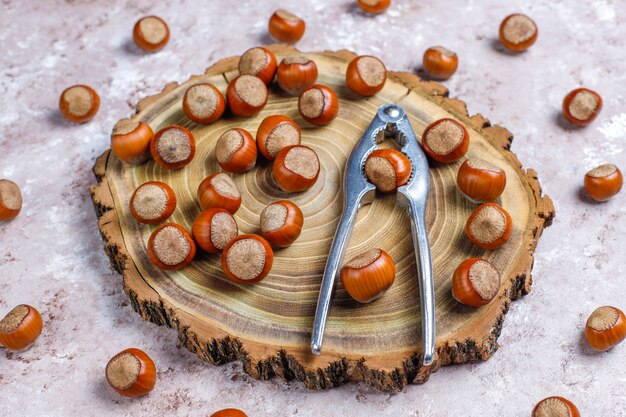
(390, 122)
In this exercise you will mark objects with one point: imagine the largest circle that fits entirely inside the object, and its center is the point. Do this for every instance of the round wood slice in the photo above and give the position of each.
(267, 326)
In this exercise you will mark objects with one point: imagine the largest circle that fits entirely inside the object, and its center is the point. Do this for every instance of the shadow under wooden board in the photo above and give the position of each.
(267, 326)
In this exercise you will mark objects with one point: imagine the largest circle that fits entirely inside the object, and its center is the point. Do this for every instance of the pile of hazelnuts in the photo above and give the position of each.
(246, 259)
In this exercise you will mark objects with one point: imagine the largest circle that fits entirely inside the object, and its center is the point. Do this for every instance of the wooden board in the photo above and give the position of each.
(267, 326)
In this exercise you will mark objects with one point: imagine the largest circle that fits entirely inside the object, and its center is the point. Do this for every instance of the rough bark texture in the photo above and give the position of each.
(391, 372)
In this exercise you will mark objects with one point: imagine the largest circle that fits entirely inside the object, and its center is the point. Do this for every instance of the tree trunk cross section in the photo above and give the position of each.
(267, 326)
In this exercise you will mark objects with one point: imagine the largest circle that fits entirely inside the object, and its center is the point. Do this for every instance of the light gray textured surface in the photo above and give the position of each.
(51, 256)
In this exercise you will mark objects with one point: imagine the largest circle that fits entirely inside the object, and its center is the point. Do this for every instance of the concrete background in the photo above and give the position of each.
(51, 256)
